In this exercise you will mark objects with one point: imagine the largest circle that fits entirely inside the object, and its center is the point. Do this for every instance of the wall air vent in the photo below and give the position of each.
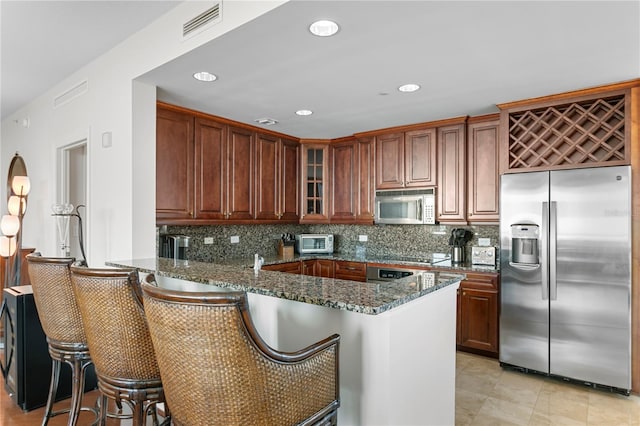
(71, 94)
(204, 20)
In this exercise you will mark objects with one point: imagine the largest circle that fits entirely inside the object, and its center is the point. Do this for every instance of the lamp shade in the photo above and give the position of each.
(10, 225)
(7, 246)
(21, 185)
(14, 205)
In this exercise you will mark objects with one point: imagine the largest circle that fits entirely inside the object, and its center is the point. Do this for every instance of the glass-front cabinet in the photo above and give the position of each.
(315, 183)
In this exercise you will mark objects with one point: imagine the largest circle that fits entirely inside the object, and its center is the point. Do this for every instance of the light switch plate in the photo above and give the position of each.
(484, 242)
(235, 239)
(208, 240)
(363, 238)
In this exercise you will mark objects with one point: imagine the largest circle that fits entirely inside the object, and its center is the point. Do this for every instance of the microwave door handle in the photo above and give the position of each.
(419, 212)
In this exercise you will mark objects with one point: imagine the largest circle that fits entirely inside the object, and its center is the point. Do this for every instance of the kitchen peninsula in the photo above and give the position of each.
(397, 350)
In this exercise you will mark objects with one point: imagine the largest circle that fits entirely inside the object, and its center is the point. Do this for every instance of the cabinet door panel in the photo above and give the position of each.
(174, 165)
(241, 156)
(343, 206)
(365, 182)
(451, 174)
(390, 161)
(267, 183)
(289, 175)
(210, 159)
(483, 188)
(324, 268)
(315, 183)
(479, 328)
(420, 158)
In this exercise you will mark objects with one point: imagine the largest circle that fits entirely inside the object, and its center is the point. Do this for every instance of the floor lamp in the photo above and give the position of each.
(11, 244)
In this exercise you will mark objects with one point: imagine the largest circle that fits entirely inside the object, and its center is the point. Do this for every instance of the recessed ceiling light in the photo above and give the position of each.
(324, 28)
(266, 121)
(204, 76)
(304, 112)
(409, 87)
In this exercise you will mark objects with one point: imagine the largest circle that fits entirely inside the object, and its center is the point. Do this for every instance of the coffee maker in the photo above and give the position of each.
(174, 246)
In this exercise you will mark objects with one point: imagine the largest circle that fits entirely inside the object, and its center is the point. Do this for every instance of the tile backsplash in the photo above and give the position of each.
(382, 240)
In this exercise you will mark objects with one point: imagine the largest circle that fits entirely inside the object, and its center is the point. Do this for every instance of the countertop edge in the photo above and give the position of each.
(241, 278)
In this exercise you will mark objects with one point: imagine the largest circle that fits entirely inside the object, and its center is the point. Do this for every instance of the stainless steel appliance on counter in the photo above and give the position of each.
(565, 264)
(379, 274)
(405, 207)
(314, 243)
(174, 246)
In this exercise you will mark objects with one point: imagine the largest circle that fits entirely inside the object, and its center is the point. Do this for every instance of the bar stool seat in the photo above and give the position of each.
(216, 370)
(110, 302)
(63, 327)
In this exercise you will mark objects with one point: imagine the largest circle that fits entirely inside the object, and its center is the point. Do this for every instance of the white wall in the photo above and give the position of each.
(120, 211)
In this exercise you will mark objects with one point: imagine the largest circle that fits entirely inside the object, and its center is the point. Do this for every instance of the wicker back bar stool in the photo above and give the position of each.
(62, 325)
(217, 370)
(110, 302)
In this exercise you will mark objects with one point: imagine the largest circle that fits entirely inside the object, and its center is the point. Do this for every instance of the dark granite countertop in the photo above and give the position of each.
(238, 274)
(425, 261)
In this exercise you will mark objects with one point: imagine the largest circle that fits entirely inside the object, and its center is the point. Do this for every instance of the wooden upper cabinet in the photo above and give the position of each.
(406, 160)
(240, 174)
(315, 183)
(267, 179)
(174, 165)
(483, 188)
(451, 174)
(420, 158)
(224, 171)
(390, 161)
(276, 178)
(352, 187)
(343, 182)
(289, 180)
(365, 161)
(211, 169)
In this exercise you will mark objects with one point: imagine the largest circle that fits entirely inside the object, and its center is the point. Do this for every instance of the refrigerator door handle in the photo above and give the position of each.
(553, 252)
(544, 253)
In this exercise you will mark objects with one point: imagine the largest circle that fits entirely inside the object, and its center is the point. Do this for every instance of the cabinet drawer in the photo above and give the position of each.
(354, 271)
(289, 267)
(484, 281)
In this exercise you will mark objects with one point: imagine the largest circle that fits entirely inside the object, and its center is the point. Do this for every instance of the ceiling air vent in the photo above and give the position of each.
(205, 19)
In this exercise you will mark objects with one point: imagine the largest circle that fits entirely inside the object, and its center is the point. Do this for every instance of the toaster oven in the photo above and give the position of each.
(314, 243)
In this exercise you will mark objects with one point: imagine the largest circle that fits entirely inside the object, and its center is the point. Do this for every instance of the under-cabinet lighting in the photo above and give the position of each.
(266, 121)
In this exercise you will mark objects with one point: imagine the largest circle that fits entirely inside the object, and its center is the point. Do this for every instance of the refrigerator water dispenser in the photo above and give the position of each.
(524, 244)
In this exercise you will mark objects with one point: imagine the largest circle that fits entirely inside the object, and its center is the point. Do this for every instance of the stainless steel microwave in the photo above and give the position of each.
(406, 207)
(314, 243)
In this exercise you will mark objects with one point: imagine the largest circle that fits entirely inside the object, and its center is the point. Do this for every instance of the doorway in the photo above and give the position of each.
(72, 189)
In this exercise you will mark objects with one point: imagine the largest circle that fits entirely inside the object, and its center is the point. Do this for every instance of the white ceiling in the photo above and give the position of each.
(42, 42)
(467, 56)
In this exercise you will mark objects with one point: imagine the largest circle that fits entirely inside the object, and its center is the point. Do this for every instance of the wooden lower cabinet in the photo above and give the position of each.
(318, 268)
(478, 313)
(353, 271)
(289, 267)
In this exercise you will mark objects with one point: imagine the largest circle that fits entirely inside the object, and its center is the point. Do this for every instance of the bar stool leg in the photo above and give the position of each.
(77, 389)
(53, 389)
(102, 414)
(138, 414)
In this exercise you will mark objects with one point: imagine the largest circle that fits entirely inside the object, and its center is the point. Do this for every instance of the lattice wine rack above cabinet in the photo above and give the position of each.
(585, 131)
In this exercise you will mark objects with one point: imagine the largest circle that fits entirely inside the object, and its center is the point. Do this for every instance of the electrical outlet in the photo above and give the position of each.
(208, 240)
(235, 239)
(363, 238)
(484, 242)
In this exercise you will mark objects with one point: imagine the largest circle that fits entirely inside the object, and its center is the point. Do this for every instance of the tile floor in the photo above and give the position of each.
(486, 394)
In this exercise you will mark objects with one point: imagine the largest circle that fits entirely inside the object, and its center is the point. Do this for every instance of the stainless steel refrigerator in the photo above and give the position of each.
(565, 267)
